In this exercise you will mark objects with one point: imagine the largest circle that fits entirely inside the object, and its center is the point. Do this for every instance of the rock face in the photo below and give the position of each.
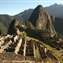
(41, 21)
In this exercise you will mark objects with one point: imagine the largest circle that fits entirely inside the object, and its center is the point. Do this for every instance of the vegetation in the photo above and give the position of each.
(3, 29)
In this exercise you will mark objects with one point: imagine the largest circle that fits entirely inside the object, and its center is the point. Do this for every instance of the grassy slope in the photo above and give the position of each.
(57, 53)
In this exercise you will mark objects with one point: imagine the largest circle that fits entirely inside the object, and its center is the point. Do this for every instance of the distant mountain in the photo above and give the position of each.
(25, 14)
(58, 24)
(55, 10)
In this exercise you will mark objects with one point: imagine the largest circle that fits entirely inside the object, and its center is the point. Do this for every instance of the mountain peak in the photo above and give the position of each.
(56, 5)
(35, 14)
(39, 7)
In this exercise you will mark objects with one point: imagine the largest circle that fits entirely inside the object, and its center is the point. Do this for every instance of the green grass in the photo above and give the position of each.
(55, 52)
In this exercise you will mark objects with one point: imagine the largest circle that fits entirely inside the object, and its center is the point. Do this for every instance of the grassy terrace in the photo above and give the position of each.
(57, 53)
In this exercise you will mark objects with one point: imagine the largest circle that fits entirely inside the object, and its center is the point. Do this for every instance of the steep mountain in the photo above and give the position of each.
(41, 21)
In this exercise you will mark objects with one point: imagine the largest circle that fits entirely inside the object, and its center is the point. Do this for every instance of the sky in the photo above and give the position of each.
(13, 7)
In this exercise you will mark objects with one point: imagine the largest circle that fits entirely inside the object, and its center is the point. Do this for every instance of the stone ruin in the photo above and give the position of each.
(24, 48)
(17, 42)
